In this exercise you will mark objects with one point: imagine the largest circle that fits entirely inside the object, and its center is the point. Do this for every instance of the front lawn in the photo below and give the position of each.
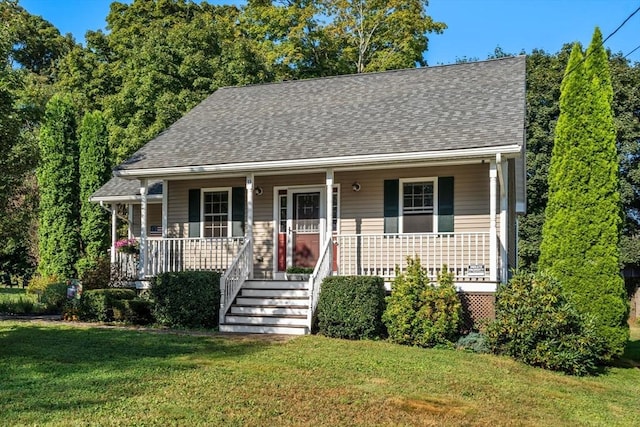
(57, 374)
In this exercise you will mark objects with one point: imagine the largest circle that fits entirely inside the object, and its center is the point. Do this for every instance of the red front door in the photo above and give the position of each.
(306, 229)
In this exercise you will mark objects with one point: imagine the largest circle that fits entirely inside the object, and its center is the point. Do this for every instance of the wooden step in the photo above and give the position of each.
(268, 310)
(278, 302)
(274, 293)
(263, 329)
(274, 284)
(266, 320)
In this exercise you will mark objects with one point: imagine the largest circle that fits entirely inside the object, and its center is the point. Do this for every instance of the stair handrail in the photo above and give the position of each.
(232, 280)
(322, 269)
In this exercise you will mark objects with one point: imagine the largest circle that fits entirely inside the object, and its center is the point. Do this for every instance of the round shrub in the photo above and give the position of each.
(54, 297)
(189, 299)
(351, 307)
(98, 305)
(421, 313)
(536, 324)
(38, 284)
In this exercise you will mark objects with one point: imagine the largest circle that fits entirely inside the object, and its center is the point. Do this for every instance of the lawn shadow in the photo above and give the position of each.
(63, 361)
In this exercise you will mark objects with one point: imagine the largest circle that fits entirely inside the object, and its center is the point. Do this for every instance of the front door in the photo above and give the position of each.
(305, 230)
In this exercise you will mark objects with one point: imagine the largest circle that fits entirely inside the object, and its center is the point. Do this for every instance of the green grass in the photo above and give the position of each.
(56, 374)
(17, 301)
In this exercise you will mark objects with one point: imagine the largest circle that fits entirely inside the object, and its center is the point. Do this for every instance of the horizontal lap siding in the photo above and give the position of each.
(178, 209)
(154, 217)
(362, 212)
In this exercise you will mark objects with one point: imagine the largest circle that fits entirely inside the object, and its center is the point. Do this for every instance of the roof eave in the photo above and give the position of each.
(327, 162)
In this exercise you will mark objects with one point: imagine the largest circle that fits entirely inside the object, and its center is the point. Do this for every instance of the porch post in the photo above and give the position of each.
(143, 228)
(130, 223)
(249, 224)
(114, 231)
(165, 209)
(329, 226)
(493, 237)
(504, 220)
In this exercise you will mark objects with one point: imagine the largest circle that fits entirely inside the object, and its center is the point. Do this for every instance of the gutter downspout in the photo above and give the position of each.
(503, 178)
(114, 227)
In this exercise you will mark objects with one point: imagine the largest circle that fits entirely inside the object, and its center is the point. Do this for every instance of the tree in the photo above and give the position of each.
(58, 230)
(379, 35)
(582, 218)
(94, 172)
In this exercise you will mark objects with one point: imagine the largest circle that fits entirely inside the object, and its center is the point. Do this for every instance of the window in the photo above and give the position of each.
(418, 207)
(215, 215)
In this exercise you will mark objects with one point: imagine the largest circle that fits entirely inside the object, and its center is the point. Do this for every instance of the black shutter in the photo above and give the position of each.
(391, 207)
(194, 213)
(445, 204)
(238, 195)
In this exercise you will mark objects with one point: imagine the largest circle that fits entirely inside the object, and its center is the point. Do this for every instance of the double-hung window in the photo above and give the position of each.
(418, 211)
(216, 213)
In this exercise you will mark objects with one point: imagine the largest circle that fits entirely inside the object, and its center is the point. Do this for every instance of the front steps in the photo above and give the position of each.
(269, 307)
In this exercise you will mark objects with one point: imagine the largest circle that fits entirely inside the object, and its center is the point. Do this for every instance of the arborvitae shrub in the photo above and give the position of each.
(536, 324)
(421, 313)
(189, 299)
(351, 307)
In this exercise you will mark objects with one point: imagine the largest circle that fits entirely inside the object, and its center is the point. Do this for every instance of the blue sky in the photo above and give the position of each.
(476, 27)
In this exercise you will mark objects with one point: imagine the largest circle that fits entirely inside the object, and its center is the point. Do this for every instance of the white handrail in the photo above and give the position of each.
(323, 269)
(232, 279)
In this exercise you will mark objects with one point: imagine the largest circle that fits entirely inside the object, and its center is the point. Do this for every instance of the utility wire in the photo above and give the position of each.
(607, 38)
(636, 48)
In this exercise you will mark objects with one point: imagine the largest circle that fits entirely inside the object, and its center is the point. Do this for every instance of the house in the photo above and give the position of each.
(347, 175)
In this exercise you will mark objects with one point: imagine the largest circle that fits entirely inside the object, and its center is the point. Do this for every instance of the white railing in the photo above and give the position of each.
(466, 254)
(125, 267)
(323, 269)
(180, 254)
(232, 280)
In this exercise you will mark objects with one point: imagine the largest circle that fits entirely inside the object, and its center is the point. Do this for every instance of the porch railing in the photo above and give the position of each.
(321, 270)
(179, 254)
(232, 280)
(124, 268)
(467, 255)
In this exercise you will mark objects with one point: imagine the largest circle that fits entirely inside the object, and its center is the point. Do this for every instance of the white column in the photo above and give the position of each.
(143, 228)
(329, 227)
(130, 218)
(114, 231)
(248, 229)
(504, 221)
(165, 208)
(493, 238)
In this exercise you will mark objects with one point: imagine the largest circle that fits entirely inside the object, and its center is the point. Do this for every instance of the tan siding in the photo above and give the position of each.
(362, 212)
(513, 256)
(178, 205)
(154, 217)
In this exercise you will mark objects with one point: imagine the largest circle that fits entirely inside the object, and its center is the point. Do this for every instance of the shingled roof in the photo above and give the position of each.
(433, 109)
(126, 190)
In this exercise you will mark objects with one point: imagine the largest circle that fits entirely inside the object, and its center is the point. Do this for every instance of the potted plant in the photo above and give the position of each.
(128, 246)
(298, 273)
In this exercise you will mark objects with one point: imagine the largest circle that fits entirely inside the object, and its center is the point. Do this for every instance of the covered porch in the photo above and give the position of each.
(288, 225)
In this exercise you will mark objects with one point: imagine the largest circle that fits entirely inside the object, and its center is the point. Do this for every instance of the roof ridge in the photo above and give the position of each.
(372, 73)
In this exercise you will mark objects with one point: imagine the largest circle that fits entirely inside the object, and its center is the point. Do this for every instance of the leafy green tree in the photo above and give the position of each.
(381, 35)
(582, 218)
(59, 190)
(94, 172)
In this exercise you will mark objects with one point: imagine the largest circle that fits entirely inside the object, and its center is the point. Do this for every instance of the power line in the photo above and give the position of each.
(636, 48)
(607, 38)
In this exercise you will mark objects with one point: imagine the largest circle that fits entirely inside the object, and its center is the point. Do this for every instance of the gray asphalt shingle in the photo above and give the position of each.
(470, 105)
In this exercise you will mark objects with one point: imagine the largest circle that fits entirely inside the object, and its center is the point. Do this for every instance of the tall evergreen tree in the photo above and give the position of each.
(94, 172)
(58, 230)
(582, 225)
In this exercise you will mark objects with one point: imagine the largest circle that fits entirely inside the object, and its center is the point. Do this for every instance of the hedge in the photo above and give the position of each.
(189, 299)
(351, 307)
